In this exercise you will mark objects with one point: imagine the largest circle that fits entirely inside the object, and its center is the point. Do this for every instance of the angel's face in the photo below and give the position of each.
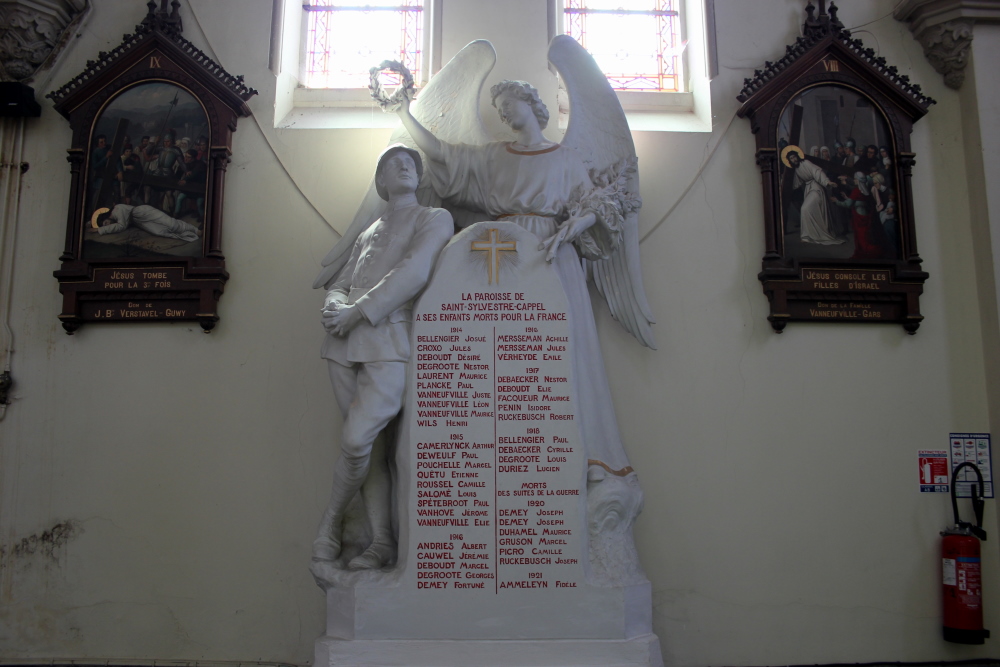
(399, 173)
(514, 111)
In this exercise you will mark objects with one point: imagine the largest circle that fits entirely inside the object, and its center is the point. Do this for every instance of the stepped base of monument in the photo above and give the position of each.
(406, 613)
(642, 651)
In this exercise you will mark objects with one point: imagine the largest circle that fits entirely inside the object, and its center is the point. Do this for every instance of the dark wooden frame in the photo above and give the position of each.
(795, 286)
(185, 288)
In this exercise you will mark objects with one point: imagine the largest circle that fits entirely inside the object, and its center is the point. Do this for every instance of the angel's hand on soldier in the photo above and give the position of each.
(567, 232)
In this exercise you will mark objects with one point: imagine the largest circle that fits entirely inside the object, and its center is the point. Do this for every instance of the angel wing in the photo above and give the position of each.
(599, 131)
(448, 106)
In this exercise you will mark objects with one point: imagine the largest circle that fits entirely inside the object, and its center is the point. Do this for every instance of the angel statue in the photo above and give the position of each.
(580, 197)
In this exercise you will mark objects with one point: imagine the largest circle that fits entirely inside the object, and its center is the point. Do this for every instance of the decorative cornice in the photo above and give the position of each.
(945, 29)
(33, 32)
(826, 26)
(921, 14)
(946, 47)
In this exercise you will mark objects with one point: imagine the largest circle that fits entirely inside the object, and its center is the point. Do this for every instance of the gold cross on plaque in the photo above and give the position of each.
(488, 242)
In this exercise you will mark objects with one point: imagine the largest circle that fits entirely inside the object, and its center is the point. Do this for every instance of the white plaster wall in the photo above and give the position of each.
(981, 100)
(782, 521)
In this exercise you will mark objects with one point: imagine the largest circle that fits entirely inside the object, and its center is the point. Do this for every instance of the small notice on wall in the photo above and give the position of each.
(974, 448)
(935, 473)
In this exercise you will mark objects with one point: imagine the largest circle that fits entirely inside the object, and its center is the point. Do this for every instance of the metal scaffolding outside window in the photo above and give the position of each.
(637, 43)
(345, 39)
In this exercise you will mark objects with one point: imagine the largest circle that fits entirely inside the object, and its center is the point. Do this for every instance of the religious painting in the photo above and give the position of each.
(147, 175)
(153, 122)
(832, 122)
(837, 177)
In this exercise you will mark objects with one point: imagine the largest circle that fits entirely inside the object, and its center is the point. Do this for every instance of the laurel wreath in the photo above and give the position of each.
(405, 90)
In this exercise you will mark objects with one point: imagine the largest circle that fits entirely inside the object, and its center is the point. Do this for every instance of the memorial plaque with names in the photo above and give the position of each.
(493, 439)
(491, 470)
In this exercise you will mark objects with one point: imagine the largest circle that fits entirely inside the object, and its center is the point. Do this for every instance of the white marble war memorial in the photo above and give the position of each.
(490, 522)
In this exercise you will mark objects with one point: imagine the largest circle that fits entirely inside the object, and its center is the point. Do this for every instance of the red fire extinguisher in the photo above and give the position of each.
(961, 573)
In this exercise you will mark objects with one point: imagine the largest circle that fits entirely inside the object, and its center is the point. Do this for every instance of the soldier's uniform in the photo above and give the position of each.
(391, 262)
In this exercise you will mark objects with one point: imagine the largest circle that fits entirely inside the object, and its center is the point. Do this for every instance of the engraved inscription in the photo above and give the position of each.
(495, 458)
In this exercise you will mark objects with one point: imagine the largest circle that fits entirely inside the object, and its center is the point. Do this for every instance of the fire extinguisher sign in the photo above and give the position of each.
(935, 474)
(974, 448)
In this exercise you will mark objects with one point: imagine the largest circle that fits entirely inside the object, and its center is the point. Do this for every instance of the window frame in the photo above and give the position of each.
(686, 111)
(332, 108)
(315, 108)
(589, 16)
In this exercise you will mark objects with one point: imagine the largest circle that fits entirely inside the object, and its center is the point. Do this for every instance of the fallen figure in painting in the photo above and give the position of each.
(147, 218)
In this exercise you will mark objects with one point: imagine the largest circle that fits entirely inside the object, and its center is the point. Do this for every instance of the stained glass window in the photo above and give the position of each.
(344, 39)
(637, 43)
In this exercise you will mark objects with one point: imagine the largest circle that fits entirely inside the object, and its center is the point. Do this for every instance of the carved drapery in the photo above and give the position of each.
(945, 29)
(32, 32)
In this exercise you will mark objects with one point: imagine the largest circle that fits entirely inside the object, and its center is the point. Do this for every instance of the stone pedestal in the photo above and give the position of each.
(643, 650)
(395, 612)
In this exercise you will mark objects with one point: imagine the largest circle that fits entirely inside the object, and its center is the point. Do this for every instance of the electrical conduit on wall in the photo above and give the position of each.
(11, 171)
